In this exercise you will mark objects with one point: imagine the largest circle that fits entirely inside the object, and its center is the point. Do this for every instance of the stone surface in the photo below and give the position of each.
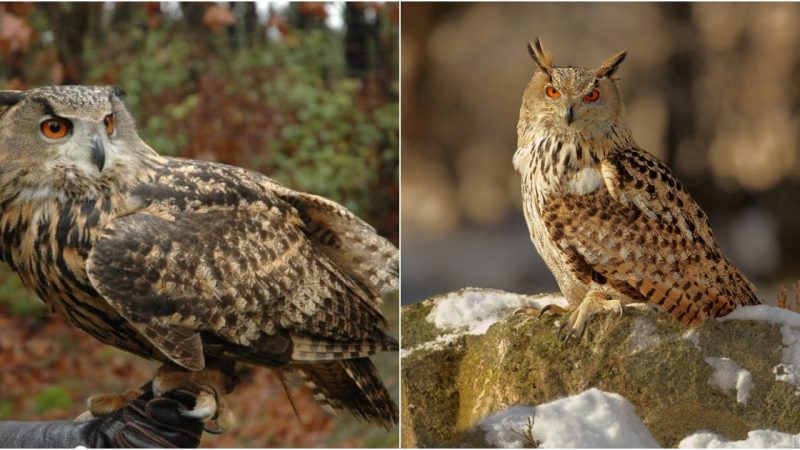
(646, 356)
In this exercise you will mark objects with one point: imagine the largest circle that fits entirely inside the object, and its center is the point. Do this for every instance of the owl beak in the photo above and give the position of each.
(98, 153)
(570, 115)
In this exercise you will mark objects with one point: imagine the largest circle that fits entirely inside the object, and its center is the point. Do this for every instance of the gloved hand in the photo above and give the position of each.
(145, 422)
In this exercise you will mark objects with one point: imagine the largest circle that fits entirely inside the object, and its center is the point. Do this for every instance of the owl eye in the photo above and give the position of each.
(552, 92)
(109, 121)
(591, 97)
(55, 128)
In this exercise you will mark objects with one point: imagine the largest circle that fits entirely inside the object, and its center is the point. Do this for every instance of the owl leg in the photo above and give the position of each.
(211, 384)
(594, 302)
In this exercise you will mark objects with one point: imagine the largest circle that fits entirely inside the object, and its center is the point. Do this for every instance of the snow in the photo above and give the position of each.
(764, 313)
(503, 428)
(693, 336)
(755, 439)
(729, 375)
(593, 418)
(788, 371)
(643, 335)
(473, 311)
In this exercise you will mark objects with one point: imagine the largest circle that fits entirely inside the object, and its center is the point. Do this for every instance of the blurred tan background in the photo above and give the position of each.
(712, 89)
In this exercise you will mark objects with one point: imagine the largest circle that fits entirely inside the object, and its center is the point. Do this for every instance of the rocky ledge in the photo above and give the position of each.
(468, 362)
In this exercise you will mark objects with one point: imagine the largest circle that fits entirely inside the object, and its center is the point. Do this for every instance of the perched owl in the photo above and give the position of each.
(611, 221)
(194, 264)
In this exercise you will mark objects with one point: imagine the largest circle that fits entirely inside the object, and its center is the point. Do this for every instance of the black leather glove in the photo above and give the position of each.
(146, 422)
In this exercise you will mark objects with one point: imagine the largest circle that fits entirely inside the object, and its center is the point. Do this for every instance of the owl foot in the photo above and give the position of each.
(594, 302)
(210, 385)
(100, 405)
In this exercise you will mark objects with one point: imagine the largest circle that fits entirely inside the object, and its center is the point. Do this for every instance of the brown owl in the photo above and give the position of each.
(611, 221)
(194, 264)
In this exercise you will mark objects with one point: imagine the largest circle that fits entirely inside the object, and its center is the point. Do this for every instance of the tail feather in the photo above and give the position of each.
(351, 384)
(306, 348)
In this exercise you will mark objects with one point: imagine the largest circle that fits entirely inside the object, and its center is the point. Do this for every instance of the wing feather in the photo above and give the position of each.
(645, 236)
(239, 273)
(349, 241)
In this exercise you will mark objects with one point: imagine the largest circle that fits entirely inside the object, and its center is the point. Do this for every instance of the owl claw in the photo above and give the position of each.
(210, 405)
(579, 318)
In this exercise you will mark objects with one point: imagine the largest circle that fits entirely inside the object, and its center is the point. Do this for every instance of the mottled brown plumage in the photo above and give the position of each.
(610, 220)
(191, 263)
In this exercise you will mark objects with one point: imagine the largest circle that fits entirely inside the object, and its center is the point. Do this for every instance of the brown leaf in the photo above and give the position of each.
(218, 17)
(15, 33)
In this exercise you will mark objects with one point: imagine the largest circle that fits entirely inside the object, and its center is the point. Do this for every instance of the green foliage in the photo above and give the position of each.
(286, 108)
(52, 397)
(6, 410)
(18, 300)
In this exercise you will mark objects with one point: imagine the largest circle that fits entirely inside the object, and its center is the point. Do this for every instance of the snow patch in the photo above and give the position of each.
(788, 371)
(503, 428)
(693, 337)
(764, 313)
(593, 418)
(755, 439)
(729, 375)
(474, 311)
(437, 344)
(643, 335)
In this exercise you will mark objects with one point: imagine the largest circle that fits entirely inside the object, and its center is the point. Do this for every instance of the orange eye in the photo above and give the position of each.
(552, 92)
(109, 121)
(592, 97)
(55, 128)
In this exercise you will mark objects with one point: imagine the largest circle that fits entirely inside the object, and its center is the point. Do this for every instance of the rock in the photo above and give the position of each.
(719, 377)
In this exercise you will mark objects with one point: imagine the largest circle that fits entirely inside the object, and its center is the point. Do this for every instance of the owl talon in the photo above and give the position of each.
(205, 407)
(210, 404)
(579, 319)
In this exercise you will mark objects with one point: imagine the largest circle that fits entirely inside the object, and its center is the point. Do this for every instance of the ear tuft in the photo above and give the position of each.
(116, 90)
(10, 98)
(542, 57)
(611, 65)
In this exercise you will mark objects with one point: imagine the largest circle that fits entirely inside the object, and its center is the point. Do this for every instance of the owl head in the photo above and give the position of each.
(571, 100)
(56, 136)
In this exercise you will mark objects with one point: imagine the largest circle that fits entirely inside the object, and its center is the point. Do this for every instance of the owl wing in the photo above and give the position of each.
(347, 240)
(247, 274)
(646, 237)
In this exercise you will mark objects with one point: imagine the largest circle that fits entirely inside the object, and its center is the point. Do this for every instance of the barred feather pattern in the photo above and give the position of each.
(352, 384)
(613, 216)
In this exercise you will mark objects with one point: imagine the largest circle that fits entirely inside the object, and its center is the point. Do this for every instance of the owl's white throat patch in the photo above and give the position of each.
(586, 180)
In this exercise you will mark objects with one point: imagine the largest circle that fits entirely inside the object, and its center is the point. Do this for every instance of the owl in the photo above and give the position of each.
(612, 222)
(194, 264)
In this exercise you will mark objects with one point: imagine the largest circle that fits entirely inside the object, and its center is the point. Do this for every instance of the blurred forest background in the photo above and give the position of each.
(306, 93)
(713, 89)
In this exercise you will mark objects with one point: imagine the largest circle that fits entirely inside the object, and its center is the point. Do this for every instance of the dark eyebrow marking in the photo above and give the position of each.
(48, 108)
